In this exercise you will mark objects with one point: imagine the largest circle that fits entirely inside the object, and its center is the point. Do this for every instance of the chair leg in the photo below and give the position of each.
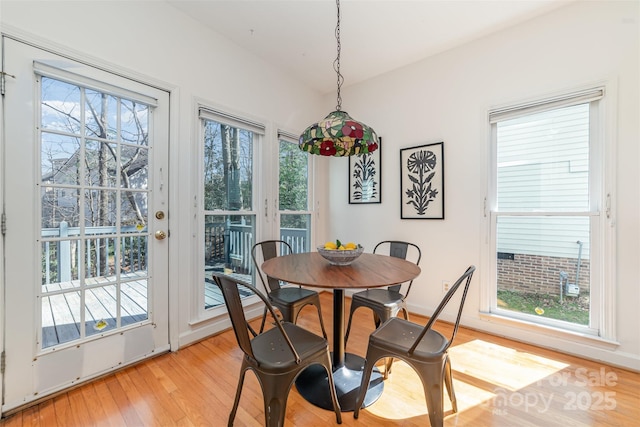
(264, 320)
(366, 376)
(432, 376)
(275, 398)
(332, 390)
(448, 381)
(232, 415)
(324, 333)
(346, 335)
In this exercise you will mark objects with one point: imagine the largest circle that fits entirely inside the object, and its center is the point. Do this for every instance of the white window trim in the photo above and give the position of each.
(604, 131)
(205, 111)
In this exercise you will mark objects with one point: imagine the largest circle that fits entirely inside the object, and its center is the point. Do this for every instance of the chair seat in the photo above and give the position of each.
(383, 297)
(272, 352)
(291, 295)
(398, 335)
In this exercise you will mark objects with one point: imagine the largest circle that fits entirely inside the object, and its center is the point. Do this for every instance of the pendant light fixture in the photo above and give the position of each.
(338, 134)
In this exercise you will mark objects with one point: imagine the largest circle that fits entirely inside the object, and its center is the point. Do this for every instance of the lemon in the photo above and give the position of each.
(350, 245)
(330, 245)
(342, 248)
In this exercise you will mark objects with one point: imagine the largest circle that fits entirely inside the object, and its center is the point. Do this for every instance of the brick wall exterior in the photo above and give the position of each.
(540, 274)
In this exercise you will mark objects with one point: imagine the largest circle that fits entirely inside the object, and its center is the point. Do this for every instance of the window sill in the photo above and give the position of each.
(549, 331)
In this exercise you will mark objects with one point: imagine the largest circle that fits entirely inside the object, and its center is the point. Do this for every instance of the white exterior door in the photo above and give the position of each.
(85, 201)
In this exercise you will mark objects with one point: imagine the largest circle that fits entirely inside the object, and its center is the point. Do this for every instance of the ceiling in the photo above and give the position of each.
(376, 36)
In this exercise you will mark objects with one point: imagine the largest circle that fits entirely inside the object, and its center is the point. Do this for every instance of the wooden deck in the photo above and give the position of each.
(61, 321)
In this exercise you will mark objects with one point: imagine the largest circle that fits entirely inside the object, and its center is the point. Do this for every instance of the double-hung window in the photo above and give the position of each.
(228, 146)
(548, 213)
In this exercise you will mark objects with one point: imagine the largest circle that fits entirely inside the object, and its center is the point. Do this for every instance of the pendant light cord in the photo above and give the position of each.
(336, 63)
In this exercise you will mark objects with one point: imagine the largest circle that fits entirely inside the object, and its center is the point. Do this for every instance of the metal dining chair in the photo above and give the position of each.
(422, 348)
(276, 356)
(289, 300)
(386, 302)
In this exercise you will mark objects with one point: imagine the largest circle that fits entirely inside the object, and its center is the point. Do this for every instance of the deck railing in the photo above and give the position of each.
(228, 245)
(62, 256)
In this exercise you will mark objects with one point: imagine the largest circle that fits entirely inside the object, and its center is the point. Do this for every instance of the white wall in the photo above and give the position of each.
(447, 97)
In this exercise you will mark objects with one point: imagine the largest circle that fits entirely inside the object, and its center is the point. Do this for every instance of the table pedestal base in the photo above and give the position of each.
(313, 384)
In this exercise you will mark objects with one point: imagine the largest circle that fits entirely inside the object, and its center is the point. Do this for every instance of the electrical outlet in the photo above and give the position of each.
(445, 286)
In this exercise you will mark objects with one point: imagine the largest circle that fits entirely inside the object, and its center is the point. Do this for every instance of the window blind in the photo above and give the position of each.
(566, 100)
(231, 120)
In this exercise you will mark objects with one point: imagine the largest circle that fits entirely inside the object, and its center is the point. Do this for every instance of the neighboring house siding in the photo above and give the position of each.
(528, 182)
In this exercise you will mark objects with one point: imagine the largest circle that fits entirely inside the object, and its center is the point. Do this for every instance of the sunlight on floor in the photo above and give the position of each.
(501, 366)
(481, 371)
(403, 395)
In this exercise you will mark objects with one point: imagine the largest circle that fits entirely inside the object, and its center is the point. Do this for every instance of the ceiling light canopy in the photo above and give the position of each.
(338, 134)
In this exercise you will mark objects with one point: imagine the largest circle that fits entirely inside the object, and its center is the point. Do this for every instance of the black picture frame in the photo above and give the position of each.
(422, 182)
(365, 172)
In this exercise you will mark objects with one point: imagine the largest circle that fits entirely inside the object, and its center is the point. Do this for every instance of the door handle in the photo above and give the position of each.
(160, 235)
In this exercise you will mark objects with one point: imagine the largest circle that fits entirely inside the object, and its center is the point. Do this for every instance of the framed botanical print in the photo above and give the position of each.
(364, 177)
(422, 182)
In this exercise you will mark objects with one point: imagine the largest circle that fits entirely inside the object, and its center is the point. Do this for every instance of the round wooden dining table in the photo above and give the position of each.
(367, 271)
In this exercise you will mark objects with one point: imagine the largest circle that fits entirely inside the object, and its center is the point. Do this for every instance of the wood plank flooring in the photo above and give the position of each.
(498, 382)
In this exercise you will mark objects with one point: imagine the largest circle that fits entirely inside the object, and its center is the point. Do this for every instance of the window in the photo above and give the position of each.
(546, 218)
(229, 217)
(293, 194)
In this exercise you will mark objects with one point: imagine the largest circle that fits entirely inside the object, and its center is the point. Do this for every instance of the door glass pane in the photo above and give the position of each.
(293, 196)
(93, 212)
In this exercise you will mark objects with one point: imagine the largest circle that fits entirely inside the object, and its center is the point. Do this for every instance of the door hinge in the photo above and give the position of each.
(3, 80)
(3, 223)
(3, 362)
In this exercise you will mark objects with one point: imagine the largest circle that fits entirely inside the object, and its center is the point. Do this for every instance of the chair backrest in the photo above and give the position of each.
(243, 331)
(399, 249)
(268, 249)
(466, 279)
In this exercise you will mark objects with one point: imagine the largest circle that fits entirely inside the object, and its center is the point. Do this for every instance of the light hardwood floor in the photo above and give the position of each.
(498, 382)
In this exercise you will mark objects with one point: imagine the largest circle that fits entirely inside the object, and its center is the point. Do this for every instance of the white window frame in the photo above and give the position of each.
(602, 326)
(205, 112)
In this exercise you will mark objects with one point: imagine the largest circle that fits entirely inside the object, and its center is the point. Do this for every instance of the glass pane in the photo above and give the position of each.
(100, 208)
(228, 167)
(100, 164)
(61, 108)
(100, 255)
(133, 302)
(543, 266)
(60, 318)
(100, 310)
(294, 178)
(59, 262)
(294, 229)
(133, 255)
(59, 159)
(100, 115)
(134, 212)
(135, 122)
(60, 205)
(227, 248)
(543, 161)
(134, 163)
